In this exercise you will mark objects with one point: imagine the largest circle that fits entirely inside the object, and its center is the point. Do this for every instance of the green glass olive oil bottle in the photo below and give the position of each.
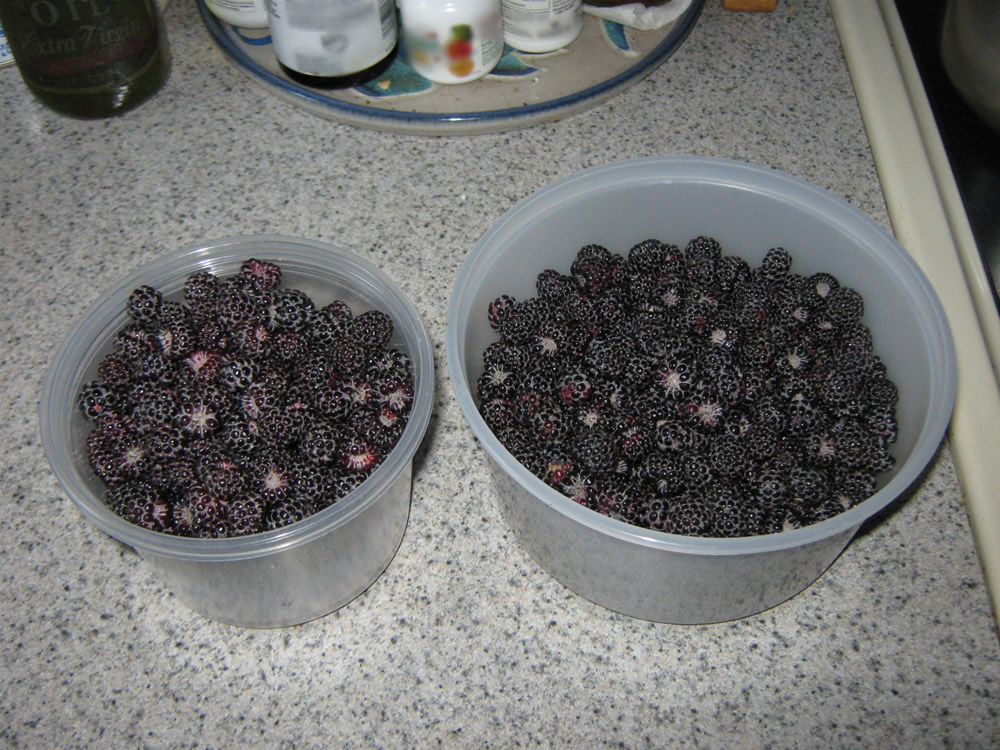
(88, 58)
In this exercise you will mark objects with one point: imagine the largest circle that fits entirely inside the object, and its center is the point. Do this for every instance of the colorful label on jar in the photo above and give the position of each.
(456, 53)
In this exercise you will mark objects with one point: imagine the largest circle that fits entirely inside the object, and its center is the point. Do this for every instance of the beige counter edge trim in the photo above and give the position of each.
(918, 210)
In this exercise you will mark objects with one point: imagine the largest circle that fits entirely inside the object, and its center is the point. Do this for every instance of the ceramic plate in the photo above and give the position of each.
(524, 89)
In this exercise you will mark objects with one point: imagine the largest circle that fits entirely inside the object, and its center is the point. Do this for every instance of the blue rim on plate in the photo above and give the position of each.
(617, 57)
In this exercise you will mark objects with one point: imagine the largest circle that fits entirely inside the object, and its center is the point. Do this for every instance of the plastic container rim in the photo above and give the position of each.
(238, 247)
(728, 173)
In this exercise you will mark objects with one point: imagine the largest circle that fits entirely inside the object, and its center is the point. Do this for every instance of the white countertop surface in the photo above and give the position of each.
(464, 641)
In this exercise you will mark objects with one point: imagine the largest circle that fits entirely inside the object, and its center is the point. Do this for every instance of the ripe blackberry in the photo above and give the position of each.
(200, 294)
(732, 514)
(596, 451)
(776, 264)
(381, 426)
(281, 426)
(134, 343)
(844, 307)
(156, 368)
(396, 393)
(96, 399)
(689, 516)
(520, 320)
(263, 276)
(203, 366)
(197, 418)
(343, 484)
(818, 288)
(498, 310)
(550, 426)
(701, 255)
(328, 324)
(357, 454)
(155, 516)
(254, 340)
(237, 308)
(664, 473)
(857, 446)
(126, 499)
(495, 383)
(289, 310)
(348, 357)
(574, 387)
(320, 442)
(731, 272)
(239, 373)
(648, 257)
(214, 336)
(807, 485)
(373, 328)
(289, 347)
(240, 435)
(594, 274)
(246, 515)
(221, 473)
(552, 286)
(882, 422)
(705, 411)
(728, 456)
(164, 443)
(143, 306)
(286, 512)
(273, 476)
(880, 392)
(114, 370)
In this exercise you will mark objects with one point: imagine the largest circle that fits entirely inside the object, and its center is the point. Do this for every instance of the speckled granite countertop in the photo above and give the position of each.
(464, 641)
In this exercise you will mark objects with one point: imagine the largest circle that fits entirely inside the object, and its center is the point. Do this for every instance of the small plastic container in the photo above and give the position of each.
(277, 578)
(248, 14)
(665, 577)
(452, 41)
(541, 25)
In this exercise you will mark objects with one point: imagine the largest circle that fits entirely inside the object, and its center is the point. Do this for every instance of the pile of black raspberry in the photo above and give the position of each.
(245, 407)
(685, 391)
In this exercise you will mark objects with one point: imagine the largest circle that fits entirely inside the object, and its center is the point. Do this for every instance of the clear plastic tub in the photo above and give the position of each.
(282, 577)
(749, 209)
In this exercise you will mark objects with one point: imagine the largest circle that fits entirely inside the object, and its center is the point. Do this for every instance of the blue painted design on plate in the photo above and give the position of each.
(616, 35)
(397, 80)
(256, 41)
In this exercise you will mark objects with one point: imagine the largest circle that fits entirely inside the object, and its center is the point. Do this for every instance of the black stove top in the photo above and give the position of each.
(973, 148)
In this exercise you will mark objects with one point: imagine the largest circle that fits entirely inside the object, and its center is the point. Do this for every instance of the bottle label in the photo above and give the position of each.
(322, 38)
(558, 21)
(72, 44)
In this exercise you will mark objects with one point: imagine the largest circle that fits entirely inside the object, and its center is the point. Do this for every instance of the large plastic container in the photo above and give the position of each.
(282, 577)
(749, 209)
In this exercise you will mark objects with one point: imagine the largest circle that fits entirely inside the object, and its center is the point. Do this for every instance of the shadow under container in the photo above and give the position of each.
(276, 578)
(749, 209)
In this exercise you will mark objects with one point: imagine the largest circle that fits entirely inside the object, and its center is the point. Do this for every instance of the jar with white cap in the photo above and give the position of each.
(452, 41)
(541, 25)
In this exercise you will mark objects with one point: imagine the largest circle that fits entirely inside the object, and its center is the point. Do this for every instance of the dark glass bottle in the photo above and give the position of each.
(88, 58)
